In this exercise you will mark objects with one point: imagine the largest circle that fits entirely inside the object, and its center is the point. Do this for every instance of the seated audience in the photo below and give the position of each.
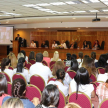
(72, 105)
(85, 46)
(33, 45)
(13, 59)
(93, 56)
(56, 56)
(3, 87)
(20, 55)
(50, 97)
(80, 59)
(54, 45)
(31, 56)
(102, 91)
(102, 62)
(63, 44)
(43, 45)
(39, 69)
(60, 65)
(46, 57)
(96, 45)
(68, 59)
(20, 69)
(4, 67)
(81, 83)
(73, 56)
(19, 90)
(13, 103)
(60, 74)
(24, 53)
(74, 65)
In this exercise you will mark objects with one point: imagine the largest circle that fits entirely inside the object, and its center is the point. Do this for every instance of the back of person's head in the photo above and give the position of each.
(13, 103)
(84, 59)
(24, 53)
(93, 55)
(68, 55)
(10, 55)
(5, 62)
(80, 54)
(73, 56)
(20, 64)
(60, 74)
(18, 88)
(20, 55)
(39, 57)
(31, 55)
(3, 84)
(102, 60)
(72, 105)
(50, 95)
(45, 54)
(55, 56)
(74, 65)
(58, 65)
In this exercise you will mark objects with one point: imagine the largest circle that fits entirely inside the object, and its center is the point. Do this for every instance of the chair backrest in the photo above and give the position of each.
(101, 70)
(32, 61)
(93, 77)
(45, 63)
(83, 100)
(10, 67)
(62, 101)
(102, 45)
(104, 104)
(51, 79)
(32, 91)
(71, 73)
(66, 67)
(51, 68)
(52, 63)
(7, 77)
(17, 76)
(37, 81)
(27, 65)
(9, 86)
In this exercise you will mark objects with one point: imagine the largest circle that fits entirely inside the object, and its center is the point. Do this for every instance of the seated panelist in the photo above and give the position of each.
(54, 45)
(63, 44)
(43, 45)
(33, 45)
(96, 45)
(85, 46)
(73, 45)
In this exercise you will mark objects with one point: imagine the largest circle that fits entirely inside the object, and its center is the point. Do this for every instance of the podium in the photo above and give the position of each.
(15, 47)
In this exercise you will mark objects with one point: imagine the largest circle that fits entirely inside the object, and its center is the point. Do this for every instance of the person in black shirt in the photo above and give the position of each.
(43, 45)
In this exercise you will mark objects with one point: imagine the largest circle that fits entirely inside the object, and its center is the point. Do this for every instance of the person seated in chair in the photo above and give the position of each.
(54, 45)
(96, 45)
(63, 44)
(43, 45)
(73, 45)
(85, 46)
(33, 45)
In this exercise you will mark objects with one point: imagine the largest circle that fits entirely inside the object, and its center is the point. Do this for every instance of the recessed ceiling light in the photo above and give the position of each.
(42, 9)
(43, 4)
(94, 1)
(70, 2)
(79, 11)
(93, 10)
(84, 1)
(105, 10)
(58, 3)
(73, 18)
(29, 5)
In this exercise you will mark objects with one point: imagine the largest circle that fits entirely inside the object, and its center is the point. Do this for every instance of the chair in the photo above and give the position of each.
(102, 45)
(10, 67)
(51, 68)
(67, 43)
(37, 81)
(37, 43)
(71, 73)
(47, 43)
(93, 77)
(66, 67)
(104, 104)
(62, 101)
(52, 63)
(45, 63)
(51, 79)
(32, 61)
(17, 76)
(101, 70)
(9, 86)
(32, 91)
(7, 77)
(27, 65)
(83, 100)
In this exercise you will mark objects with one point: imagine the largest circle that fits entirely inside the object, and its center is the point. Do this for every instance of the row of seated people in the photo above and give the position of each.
(73, 45)
(35, 69)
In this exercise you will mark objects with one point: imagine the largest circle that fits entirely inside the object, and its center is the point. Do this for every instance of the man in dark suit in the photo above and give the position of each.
(19, 39)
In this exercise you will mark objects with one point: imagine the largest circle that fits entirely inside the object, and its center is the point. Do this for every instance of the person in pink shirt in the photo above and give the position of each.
(46, 58)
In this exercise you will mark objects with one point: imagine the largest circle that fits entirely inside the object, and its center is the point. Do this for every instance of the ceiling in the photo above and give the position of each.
(39, 11)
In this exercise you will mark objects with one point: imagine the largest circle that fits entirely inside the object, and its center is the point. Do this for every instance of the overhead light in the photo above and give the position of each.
(94, 1)
(65, 12)
(42, 9)
(84, 1)
(37, 7)
(5, 15)
(78, 28)
(58, 3)
(96, 19)
(43, 4)
(51, 11)
(73, 18)
(70, 2)
(93, 10)
(79, 11)
(105, 10)
(29, 5)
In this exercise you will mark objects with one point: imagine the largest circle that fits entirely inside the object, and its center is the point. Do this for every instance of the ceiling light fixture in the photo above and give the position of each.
(58, 3)
(70, 2)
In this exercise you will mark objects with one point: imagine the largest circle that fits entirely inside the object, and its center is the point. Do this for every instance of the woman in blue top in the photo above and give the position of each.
(19, 90)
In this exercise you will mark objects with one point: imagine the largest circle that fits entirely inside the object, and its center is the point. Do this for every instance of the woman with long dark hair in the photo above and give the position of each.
(80, 83)
(19, 90)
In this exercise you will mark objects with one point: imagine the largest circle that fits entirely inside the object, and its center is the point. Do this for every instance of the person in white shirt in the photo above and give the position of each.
(60, 74)
(54, 45)
(56, 56)
(4, 67)
(93, 56)
(33, 45)
(20, 69)
(80, 59)
(39, 69)
(63, 44)
(24, 53)
(80, 83)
